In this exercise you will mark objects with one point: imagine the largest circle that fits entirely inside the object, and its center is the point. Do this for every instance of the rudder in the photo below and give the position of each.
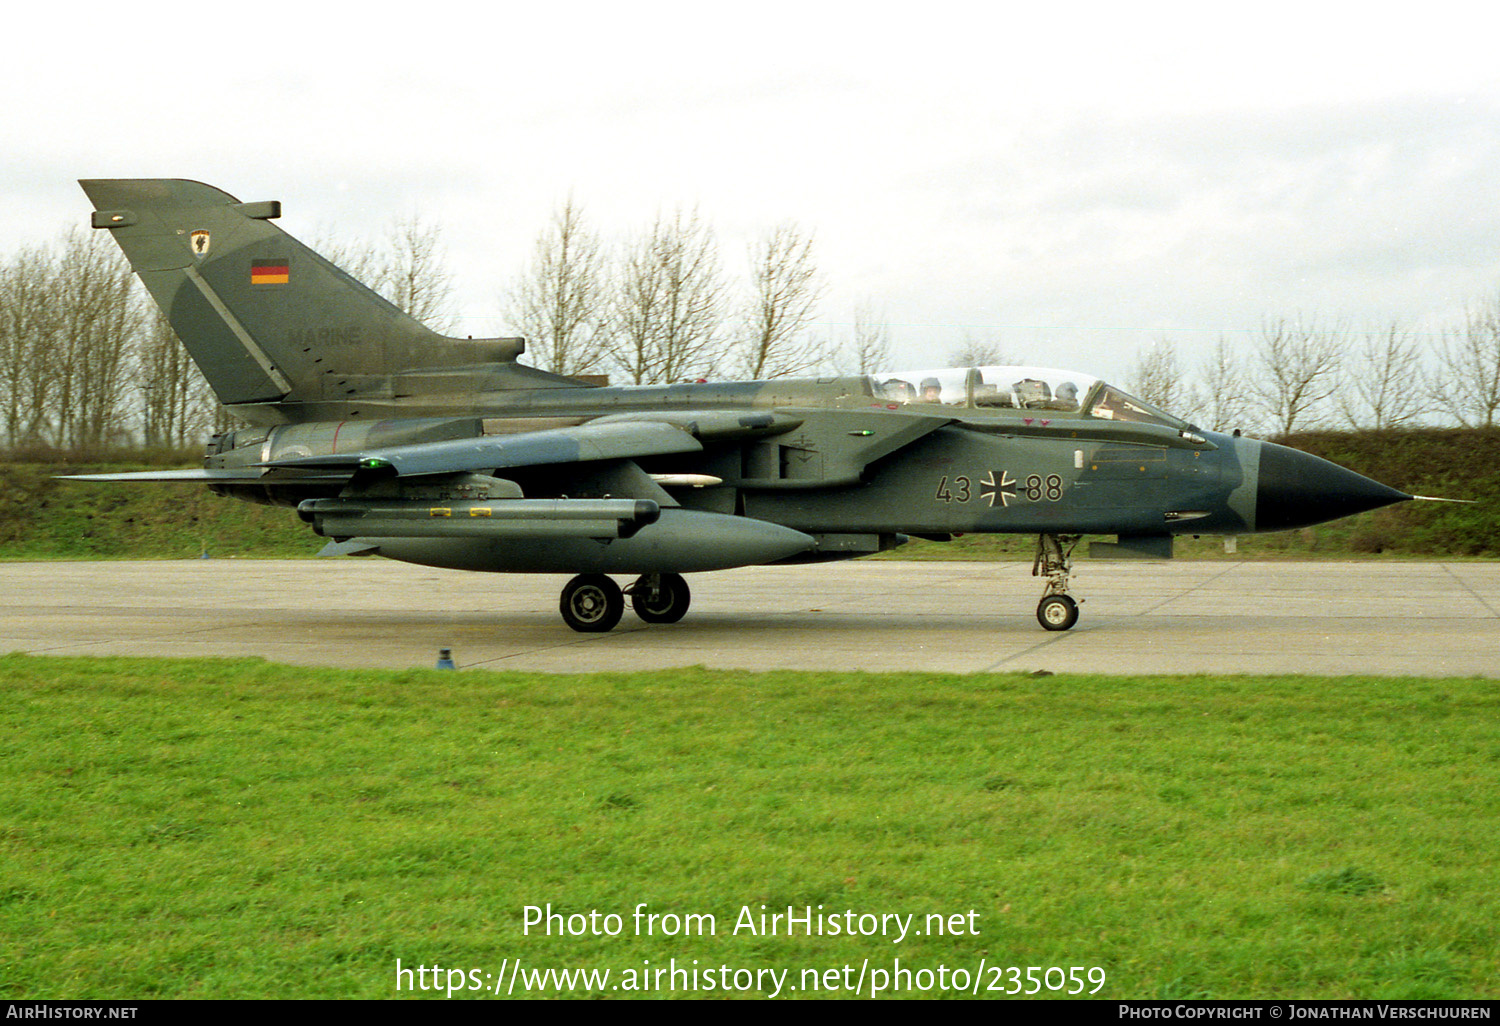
(266, 319)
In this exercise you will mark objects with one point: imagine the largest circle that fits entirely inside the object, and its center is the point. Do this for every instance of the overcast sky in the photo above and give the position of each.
(1076, 181)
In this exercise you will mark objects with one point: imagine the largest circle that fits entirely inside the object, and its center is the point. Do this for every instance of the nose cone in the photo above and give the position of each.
(1297, 489)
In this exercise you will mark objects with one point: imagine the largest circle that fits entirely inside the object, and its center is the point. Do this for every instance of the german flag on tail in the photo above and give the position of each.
(270, 272)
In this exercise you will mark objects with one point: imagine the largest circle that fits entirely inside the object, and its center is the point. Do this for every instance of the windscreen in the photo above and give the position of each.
(1109, 403)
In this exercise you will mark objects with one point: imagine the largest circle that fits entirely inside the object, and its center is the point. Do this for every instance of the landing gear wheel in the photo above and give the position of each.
(1054, 561)
(662, 600)
(1057, 612)
(592, 603)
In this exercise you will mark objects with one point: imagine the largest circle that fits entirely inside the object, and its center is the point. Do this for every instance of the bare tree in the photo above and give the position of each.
(405, 266)
(28, 329)
(96, 331)
(1157, 377)
(668, 302)
(177, 406)
(1467, 384)
(784, 292)
(1224, 403)
(558, 301)
(361, 259)
(635, 312)
(1383, 385)
(979, 352)
(1298, 371)
(415, 278)
(871, 343)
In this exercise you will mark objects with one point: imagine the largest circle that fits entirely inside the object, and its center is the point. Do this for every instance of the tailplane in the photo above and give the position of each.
(270, 321)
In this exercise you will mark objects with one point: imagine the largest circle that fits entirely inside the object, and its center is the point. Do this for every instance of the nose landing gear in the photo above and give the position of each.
(1054, 560)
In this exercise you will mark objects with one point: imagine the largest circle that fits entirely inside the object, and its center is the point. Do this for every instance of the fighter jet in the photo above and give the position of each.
(390, 439)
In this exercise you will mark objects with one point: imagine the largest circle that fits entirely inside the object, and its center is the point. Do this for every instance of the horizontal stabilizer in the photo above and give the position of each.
(198, 476)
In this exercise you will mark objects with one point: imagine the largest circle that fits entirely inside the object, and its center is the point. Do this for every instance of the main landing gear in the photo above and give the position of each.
(593, 603)
(660, 598)
(1054, 560)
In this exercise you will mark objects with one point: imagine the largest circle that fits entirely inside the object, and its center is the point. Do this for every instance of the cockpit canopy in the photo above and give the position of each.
(1017, 388)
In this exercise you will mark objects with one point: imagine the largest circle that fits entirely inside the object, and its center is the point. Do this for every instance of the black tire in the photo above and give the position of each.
(592, 604)
(1057, 612)
(669, 603)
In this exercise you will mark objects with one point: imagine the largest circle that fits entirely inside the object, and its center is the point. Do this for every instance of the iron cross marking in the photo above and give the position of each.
(1005, 489)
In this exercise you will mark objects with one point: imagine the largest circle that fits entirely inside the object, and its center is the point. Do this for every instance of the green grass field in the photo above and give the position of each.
(229, 829)
(44, 518)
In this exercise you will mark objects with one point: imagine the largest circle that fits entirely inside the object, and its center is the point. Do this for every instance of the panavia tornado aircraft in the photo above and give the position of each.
(390, 439)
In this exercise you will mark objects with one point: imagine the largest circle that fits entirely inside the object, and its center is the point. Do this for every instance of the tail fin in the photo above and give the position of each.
(265, 318)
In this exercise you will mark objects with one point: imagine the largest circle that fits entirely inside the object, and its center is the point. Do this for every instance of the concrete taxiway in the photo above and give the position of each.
(1419, 618)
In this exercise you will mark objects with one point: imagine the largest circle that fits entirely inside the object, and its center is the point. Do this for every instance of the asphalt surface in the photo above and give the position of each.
(1417, 618)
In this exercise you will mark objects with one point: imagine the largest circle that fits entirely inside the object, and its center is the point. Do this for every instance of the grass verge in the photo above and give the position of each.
(234, 829)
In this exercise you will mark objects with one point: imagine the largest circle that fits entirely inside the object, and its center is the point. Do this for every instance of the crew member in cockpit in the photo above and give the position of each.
(1066, 396)
(932, 391)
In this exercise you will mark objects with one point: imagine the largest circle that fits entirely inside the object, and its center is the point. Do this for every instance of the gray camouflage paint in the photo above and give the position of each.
(357, 406)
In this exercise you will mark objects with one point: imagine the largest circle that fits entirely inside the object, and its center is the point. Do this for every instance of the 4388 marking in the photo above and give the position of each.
(1000, 485)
